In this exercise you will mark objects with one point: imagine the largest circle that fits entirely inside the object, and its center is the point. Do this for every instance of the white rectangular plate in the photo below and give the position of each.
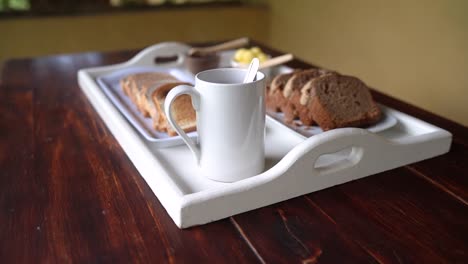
(386, 122)
(110, 84)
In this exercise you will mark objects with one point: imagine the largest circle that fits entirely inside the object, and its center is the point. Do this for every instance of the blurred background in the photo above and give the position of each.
(414, 50)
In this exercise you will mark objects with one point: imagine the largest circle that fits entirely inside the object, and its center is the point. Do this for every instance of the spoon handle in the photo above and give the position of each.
(223, 46)
(252, 71)
(276, 61)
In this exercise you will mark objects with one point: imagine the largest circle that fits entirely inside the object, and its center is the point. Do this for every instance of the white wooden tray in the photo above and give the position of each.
(295, 164)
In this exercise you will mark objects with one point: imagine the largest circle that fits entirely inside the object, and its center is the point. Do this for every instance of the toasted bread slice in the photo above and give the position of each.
(125, 84)
(145, 102)
(137, 82)
(182, 110)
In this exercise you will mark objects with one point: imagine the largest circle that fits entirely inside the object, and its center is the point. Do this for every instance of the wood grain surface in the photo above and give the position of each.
(68, 193)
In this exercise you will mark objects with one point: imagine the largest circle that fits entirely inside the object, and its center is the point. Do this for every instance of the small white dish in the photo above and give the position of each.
(388, 121)
(236, 64)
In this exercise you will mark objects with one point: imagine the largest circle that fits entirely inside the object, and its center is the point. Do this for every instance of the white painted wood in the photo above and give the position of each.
(294, 165)
(230, 123)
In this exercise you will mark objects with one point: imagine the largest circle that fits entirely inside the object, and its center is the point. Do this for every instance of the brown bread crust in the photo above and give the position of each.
(293, 108)
(134, 84)
(275, 98)
(144, 103)
(298, 80)
(182, 109)
(143, 82)
(148, 91)
(125, 84)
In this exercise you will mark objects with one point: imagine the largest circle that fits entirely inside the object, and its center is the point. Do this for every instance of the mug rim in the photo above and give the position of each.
(260, 77)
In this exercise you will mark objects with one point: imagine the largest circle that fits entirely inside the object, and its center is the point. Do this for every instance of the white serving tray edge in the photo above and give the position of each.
(294, 174)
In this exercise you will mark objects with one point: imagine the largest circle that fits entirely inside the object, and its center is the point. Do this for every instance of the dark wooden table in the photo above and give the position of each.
(68, 193)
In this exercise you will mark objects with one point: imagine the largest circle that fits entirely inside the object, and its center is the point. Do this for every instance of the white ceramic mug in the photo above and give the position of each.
(230, 123)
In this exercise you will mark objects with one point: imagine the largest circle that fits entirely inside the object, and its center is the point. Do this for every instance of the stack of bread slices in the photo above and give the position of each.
(323, 97)
(148, 91)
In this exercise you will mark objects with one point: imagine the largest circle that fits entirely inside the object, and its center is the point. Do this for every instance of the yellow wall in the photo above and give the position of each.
(25, 37)
(414, 50)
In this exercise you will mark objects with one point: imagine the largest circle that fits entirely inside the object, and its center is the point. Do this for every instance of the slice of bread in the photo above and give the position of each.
(148, 91)
(297, 81)
(182, 110)
(152, 108)
(143, 82)
(125, 84)
(292, 91)
(341, 101)
(136, 83)
(144, 103)
(275, 99)
(297, 104)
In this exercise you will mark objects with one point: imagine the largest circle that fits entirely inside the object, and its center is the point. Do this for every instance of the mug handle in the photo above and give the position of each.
(171, 96)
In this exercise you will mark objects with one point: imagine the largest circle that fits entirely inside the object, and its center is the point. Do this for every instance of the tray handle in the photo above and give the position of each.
(171, 52)
(333, 142)
(303, 159)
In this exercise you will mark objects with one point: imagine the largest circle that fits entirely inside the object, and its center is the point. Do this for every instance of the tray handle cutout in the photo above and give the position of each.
(342, 159)
(158, 60)
(171, 54)
(333, 151)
